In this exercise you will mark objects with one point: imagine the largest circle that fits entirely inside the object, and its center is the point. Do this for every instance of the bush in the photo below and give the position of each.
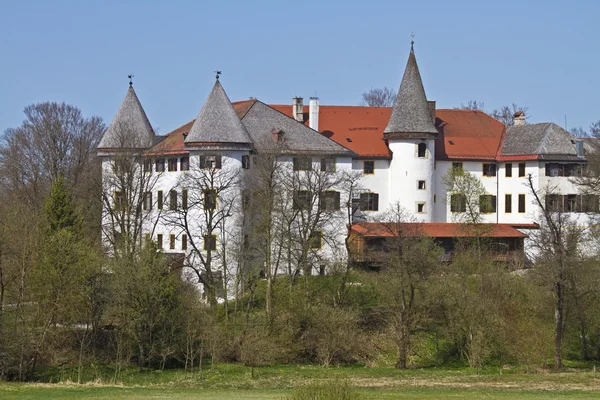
(326, 391)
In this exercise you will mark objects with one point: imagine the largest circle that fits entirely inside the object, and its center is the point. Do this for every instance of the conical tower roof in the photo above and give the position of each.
(218, 123)
(130, 128)
(411, 114)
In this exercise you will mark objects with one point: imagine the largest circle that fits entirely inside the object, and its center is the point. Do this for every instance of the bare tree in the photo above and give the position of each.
(472, 105)
(378, 97)
(466, 195)
(505, 114)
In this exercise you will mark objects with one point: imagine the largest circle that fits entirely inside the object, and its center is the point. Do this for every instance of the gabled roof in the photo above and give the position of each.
(538, 141)
(410, 114)
(263, 122)
(218, 122)
(130, 127)
(435, 229)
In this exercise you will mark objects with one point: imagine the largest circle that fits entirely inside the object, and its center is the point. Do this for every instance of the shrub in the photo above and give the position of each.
(326, 391)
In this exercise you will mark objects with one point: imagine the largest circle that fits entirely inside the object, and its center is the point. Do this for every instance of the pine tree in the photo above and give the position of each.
(60, 210)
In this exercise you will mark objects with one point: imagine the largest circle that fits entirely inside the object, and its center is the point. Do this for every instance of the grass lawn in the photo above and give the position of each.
(232, 382)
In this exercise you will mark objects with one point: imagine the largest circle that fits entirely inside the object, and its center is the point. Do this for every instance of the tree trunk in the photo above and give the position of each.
(559, 326)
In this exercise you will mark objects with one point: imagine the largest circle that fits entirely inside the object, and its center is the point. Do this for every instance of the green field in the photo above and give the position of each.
(234, 382)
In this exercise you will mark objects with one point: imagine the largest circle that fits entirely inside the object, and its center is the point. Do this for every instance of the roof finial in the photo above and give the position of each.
(412, 35)
(218, 74)
(130, 76)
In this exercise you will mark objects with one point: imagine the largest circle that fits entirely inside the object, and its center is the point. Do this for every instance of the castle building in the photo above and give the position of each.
(401, 155)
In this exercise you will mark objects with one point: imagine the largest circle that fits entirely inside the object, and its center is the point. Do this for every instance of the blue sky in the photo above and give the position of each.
(542, 54)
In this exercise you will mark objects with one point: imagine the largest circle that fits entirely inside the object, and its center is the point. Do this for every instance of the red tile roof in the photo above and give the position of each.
(435, 229)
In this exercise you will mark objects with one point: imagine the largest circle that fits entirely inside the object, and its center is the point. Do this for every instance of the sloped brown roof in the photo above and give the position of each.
(435, 229)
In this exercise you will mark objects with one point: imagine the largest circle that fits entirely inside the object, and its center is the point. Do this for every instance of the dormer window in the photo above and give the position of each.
(278, 135)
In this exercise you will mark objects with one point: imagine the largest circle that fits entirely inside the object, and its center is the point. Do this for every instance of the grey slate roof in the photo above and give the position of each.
(544, 139)
(264, 122)
(218, 122)
(130, 128)
(410, 113)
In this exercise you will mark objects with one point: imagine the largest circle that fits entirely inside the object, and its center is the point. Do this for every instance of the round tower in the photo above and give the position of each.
(411, 136)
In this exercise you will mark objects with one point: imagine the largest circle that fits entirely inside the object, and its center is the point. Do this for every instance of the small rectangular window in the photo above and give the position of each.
(210, 242)
(508, 203)
(368, 167)
(521, 169)
(147, 201)
(184, 199)
(369, 202)
(422, 150)
(457, 165)
(421, 185)
(119, 200)
(172, 242)
(210, 162)
(302, 200)
(148, 165)
(160, 165)
(159, 241)
(245, 161)
(316, 240)
(521, 203)
(184, 242)
(159, 200)
(489, 169)
(172, 164)
(210, 199)
(458, 203)
(329, 201)
(173, 200)
(328, 164)
(508, 169)
(184, 163)
(421, 208)
(302, 164)
(487, 203)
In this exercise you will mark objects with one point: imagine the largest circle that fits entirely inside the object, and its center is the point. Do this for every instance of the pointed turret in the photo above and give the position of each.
(411, 115)
(130, 128)
(218, 123)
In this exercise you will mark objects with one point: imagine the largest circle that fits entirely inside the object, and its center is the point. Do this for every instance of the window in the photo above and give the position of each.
(521, 169)
(421, 185)
(210, 199)
(457, 165)
(571, 204)
(329, 201)
(119, 200)
(554, 202)
(508, 203)
(487, 203)
(159, 200)
(148, 165)
(159, 241)
(184, 163)
(172, 164)
(184, 242)
(210, 242)
(184, 198)
(160, 165)
(245, 161)
(328, 164)
(489, 169)
(210, 161)
(458, 203)
(368, 167)
(173, 200)
(590, 203)
(315, 240)
(422, 150)
(322, 269)
(172, 242)
(302, 164)
(556, 169)
(508, 170)
(521, 203)
(302, 200)
(369, 202)
(147, 201)
(421, 208)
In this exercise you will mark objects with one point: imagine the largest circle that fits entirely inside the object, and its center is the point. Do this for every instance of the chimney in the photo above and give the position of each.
(519, 118)
(298, 109)
(431, 104)
(313, 115)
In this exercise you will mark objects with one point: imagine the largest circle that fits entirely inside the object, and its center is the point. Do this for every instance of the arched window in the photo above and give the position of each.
(422, 150)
